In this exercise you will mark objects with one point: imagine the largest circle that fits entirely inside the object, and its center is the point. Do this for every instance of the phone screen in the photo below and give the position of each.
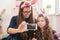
(32, 26)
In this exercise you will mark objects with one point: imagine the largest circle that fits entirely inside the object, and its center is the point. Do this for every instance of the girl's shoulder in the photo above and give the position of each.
(53, 31)
(56, 35)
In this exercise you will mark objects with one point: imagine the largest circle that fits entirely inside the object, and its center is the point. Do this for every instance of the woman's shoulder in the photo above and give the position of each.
(14, 16)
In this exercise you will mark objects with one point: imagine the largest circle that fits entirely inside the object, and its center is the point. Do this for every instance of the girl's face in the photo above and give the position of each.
(41, 22)
(26, 12)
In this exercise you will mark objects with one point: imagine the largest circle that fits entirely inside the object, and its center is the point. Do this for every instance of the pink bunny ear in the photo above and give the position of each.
(26, 4)
(33, 2)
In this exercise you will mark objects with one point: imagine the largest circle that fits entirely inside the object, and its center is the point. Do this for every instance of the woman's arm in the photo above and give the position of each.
(12, 30)
(21, 28)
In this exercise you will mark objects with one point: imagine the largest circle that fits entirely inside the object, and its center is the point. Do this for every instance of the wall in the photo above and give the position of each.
(55, 22)
(8, 5)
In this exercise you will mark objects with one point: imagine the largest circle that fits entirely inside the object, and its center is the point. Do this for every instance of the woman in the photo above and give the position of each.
(44, 31)
(17, 25)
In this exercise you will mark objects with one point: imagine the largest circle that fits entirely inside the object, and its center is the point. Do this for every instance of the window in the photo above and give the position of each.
(49, 3)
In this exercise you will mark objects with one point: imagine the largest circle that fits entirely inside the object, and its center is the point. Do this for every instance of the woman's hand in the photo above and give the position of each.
(22, 27)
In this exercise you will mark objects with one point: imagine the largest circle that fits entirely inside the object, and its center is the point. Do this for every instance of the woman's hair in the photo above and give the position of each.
(47, 30)
(20, 17)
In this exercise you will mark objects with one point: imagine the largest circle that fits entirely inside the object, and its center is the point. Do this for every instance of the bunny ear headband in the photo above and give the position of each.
(28, 3)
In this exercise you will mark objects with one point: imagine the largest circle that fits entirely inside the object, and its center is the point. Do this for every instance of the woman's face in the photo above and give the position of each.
(41, 22)
(26, 12)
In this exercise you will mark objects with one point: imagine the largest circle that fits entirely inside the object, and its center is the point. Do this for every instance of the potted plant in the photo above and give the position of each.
(48, 7)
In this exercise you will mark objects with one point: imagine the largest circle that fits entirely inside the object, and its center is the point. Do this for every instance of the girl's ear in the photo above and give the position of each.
(43, 10)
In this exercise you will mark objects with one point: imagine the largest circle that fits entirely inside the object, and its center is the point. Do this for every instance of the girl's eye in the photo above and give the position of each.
(42, 21)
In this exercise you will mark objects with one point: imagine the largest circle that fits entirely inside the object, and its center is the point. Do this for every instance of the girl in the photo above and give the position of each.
(44, 31)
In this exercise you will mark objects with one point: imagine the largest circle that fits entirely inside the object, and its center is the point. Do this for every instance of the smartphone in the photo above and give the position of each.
(31, 26)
